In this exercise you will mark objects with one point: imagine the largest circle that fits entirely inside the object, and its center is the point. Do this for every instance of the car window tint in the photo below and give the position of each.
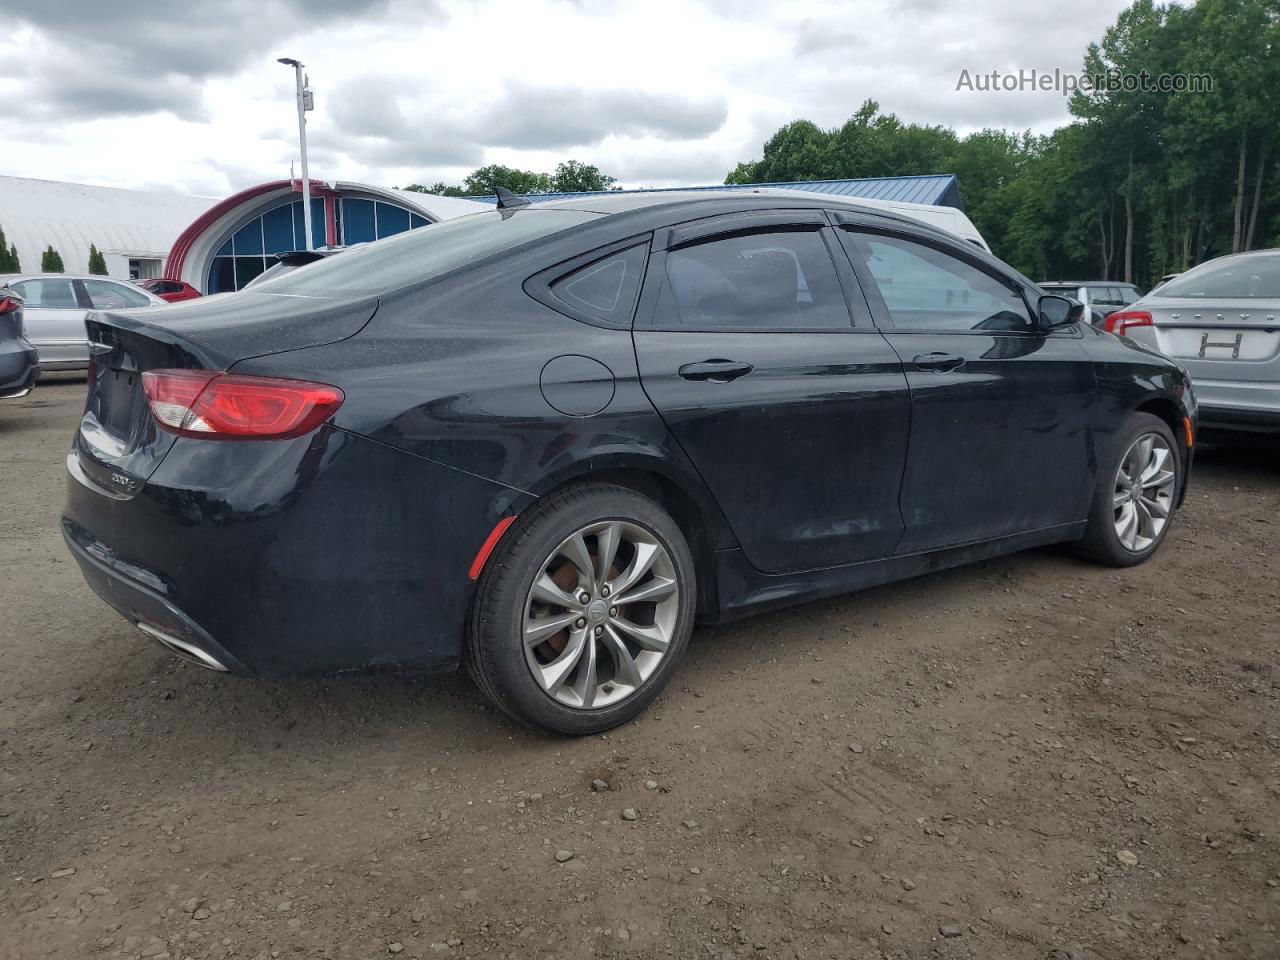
(53, 294)
(927, 289)
(417, 255)
(771, 280)
(105, 295)
(1129, 295)
(1247, 276)
(607, 288)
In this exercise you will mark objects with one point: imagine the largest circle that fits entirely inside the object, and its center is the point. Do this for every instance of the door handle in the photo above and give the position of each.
(715, 371)
(938, 362)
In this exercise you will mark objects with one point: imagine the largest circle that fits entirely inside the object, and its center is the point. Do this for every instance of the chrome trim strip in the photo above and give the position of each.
(188, 651)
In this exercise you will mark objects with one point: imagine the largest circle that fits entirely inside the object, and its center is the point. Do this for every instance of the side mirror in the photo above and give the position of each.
(1059, 311)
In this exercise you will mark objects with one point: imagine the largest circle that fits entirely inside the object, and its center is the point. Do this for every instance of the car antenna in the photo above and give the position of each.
(508, 200)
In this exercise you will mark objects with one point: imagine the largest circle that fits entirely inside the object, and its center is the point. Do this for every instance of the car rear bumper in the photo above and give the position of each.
(318, 555)
(18, 370)
(1250, 406)
(1239, 420)
(144, 604)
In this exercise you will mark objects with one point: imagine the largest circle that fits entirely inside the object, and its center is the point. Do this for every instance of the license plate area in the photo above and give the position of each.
(119, 391)
(1219, 343)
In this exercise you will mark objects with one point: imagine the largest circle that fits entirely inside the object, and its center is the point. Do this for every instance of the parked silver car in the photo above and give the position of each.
(1220, 320)
(55, 305)
(1102, 297)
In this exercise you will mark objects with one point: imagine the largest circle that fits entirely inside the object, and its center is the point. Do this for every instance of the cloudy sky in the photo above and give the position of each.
(189, 96)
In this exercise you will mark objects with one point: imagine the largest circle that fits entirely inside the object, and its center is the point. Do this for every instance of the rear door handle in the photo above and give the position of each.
(938, 362)
(715, 371)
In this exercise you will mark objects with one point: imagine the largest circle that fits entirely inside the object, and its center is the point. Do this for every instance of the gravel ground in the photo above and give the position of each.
(1029, 758)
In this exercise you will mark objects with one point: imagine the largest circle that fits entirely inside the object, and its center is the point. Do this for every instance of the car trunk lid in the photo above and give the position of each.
(119, 445)
(1207, 336)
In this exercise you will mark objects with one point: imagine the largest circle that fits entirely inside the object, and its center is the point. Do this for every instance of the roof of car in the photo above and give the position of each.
(622, 202)
(59, 276)
(1086, 283)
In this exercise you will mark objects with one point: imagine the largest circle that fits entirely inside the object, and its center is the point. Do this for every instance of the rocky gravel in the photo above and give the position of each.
(1029, 758)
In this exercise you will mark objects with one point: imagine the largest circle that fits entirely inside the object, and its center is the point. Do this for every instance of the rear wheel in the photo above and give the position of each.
(585, 611)
(1137, 489)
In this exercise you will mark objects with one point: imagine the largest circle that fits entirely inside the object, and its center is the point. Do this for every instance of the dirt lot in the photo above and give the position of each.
(1031, 758)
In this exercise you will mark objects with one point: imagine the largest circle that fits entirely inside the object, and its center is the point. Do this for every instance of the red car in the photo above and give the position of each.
(171, 290)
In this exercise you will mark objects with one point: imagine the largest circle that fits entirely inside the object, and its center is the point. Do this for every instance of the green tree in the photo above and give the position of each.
(97, 262)
(51, 261)
(573, 177)
(481, 182)
(440, 188)
(8, 262)
(1237, 42)
(15, 265)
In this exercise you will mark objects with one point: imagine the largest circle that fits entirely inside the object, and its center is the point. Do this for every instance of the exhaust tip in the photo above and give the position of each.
(182, 648)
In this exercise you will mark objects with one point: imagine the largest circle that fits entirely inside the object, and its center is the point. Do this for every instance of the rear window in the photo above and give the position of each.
(1249, 277)
(423, 253)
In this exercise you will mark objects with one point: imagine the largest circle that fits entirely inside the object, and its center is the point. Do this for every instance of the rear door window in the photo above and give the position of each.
(105, 295)
(770, 280)
(48, 293)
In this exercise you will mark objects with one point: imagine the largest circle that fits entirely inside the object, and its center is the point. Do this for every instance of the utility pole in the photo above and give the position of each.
(305, 102)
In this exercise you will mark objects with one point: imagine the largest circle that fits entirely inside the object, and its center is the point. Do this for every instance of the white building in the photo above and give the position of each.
(134, 229)
(216, 244)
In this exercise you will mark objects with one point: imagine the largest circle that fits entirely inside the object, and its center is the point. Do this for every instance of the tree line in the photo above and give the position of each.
(571, 176)
(1138, 185)
(50, 259)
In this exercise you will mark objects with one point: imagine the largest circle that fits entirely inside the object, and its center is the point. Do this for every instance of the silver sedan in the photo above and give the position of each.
(1220, 320)
(55, 305)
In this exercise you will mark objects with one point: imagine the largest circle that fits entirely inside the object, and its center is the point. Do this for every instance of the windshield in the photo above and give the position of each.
(422, 253)
(1248, 277)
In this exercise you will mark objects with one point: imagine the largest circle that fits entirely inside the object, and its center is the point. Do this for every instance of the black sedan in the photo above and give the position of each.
(543, 441)
(19, 362)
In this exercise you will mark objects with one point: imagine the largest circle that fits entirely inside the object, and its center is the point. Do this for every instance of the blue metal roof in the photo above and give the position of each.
(938, 189)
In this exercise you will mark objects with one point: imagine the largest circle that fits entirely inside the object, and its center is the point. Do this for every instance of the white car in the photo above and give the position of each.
(1221, 321)
(54, 309)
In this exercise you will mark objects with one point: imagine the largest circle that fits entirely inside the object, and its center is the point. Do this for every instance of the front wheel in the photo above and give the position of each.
(585, 611)
(1136, 494)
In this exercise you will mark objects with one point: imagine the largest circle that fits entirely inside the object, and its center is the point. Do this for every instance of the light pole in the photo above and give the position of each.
(305, 103)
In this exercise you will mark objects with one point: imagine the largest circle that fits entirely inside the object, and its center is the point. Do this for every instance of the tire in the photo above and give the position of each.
(522, 679)
(1114, 499)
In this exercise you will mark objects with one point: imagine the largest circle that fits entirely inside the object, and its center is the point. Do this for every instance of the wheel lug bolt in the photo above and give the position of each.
(580, 623)
(599, 631)
(584, 596)
(613, 611)
(604, 591)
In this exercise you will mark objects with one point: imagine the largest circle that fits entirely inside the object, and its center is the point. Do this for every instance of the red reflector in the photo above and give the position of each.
(225, 406)
(1122, 320)
(486, 548)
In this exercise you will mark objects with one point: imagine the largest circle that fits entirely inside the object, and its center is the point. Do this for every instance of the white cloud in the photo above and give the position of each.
(658, 92)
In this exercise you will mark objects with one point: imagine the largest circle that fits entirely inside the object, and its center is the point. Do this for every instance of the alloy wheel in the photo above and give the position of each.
(1144, 490)
(601, 614)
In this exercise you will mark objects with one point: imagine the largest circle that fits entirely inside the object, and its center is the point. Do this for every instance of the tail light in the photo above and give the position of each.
(9, 304)
(224, 406)
(1122, 320)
